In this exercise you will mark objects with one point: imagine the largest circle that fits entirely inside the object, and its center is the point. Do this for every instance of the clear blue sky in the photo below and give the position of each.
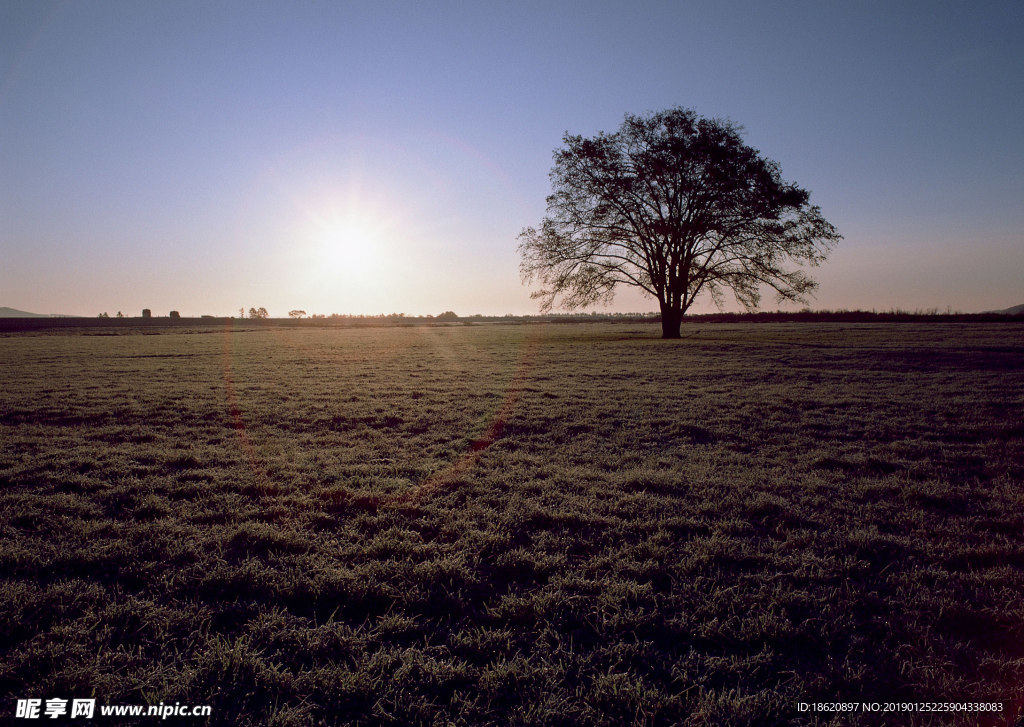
(381, 157)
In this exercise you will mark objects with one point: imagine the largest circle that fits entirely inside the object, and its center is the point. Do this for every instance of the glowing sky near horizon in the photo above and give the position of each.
(382, 157)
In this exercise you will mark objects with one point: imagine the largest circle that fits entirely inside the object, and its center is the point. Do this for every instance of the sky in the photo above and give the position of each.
(382, 157)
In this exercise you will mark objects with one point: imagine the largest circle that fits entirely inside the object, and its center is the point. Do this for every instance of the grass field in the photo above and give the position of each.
(532, 524)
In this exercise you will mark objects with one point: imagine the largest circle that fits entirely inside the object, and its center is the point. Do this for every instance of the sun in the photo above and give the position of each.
(348, 249)
(349, 245)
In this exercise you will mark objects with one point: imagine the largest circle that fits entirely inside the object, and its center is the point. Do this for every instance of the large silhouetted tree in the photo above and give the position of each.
(679, 206)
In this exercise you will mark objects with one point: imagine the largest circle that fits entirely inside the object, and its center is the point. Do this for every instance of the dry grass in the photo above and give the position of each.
(557, 524)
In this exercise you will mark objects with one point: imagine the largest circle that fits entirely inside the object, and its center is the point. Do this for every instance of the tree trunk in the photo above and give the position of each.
(670, 320)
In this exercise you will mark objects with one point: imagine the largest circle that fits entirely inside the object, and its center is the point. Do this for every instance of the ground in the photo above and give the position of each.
(517, 524)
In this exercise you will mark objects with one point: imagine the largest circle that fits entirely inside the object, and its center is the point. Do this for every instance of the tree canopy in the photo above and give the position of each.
(677, 205)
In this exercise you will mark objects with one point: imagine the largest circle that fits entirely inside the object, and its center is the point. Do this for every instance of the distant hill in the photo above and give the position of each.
(1014, 311)
(15, 313)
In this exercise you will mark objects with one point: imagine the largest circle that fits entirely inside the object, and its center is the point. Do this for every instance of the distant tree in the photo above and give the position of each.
(175, 314)
(147, 313)
(104, 315)
(120, 314)
(258, 313)
(448, 315)
(296, 313)
(676, 205)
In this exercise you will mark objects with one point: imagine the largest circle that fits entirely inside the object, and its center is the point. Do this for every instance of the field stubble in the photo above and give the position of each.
(539, 524)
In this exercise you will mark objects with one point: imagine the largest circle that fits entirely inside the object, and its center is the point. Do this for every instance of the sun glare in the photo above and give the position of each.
(348, 239)
(348, 245)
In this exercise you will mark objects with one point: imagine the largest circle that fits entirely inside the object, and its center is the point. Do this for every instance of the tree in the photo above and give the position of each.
(296, 313)
(679, 206)
(258, 313)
